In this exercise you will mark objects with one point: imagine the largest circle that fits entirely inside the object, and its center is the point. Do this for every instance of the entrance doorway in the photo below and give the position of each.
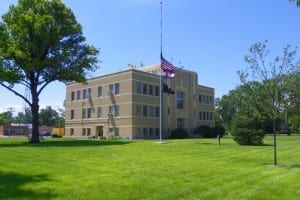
(99, 131)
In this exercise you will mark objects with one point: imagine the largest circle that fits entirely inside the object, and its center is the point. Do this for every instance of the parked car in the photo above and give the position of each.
(45, 134)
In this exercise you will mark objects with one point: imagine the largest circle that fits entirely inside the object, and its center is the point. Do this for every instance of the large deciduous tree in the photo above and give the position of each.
(274, 75)
(42, 42)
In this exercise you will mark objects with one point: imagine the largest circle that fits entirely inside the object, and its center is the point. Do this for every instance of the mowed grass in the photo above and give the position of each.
(178, 169)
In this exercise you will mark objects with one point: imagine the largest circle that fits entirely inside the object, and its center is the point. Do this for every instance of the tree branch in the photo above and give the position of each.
(16, 93)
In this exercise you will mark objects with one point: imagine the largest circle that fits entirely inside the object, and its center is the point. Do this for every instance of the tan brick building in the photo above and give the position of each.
(127, 104)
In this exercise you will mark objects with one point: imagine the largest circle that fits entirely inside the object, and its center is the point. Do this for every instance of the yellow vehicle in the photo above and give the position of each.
(58, 132)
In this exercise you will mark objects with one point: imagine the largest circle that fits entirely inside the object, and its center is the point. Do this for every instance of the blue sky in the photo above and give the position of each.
(209, 37)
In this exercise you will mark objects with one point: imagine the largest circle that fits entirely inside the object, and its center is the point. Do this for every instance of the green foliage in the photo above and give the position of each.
(246, 131)
(5, 118)
(41, 42)
(179, 134)
(295, 123)
(218, 130)
(113, 137)
(205, 131)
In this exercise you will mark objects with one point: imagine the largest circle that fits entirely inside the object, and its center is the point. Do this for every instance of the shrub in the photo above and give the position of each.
(179, 134)
(244, 136)
(113, 137)
(218, 130)
(245, 133)
(205, 131)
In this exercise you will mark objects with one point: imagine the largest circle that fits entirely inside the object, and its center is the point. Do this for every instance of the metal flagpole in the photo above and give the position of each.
(160, 84)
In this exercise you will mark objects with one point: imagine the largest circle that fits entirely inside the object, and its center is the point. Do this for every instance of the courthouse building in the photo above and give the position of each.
(127, 104)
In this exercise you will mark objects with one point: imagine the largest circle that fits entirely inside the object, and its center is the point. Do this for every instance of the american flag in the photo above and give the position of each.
(167, 68)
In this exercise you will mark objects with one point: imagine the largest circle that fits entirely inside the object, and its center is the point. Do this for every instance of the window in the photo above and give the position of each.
(115, 110)
(72, 96)
(145, 111)
(72, 114)
(145, 87)
(145, 132)
(157, 131)
(99, 91)
(180, 100)
(138, 110)
(83, 131)
(111, 87)
(111, 110)
(138, 87)
(87, 93)
(78, 94)
(83, 113)
(84, 94)
(157, 112)
(151, 111)
(117, 88)
(88, 131)
(99, 112)
(156, 90)
(200, 98)
(180, 123)
(72, 131)
(200, 115)
(86, 113)
(116, 132)
(150, 132)
(139, 132)
(151, 89)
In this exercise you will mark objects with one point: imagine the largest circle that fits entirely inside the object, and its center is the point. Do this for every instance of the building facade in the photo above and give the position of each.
(127, 104)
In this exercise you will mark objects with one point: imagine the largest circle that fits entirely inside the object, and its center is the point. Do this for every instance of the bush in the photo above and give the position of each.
(205, 131)
(244, 136)
(245, 133)
(113, 137)
(179, 134)
(218, 130)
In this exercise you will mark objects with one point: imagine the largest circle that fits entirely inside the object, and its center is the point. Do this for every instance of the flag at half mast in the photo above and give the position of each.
(168, 70)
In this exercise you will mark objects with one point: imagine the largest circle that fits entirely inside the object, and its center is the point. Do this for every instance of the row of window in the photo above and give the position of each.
(147, 111)
(146, 132)
(206, 116)
(88, 131)
(147, 89)
(87, 92)
(87, 112)
(205, 99)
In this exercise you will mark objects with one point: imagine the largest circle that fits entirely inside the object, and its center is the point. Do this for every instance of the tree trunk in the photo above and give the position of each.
(35, 117)
(275, 143)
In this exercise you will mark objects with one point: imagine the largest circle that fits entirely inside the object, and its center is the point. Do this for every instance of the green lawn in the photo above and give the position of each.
(178, 169)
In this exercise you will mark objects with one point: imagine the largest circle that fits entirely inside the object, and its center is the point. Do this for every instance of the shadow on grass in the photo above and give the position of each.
(13, 187)
(66, 143)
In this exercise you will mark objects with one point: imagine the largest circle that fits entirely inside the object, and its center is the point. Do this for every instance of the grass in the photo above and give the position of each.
(179, 169)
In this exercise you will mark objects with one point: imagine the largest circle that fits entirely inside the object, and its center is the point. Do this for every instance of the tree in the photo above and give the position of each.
(24, 117)
(272, 75)
(48, 116)
(5, 118)
(41, 42)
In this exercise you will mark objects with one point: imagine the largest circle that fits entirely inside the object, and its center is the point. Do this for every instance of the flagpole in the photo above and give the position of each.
(160, 84)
